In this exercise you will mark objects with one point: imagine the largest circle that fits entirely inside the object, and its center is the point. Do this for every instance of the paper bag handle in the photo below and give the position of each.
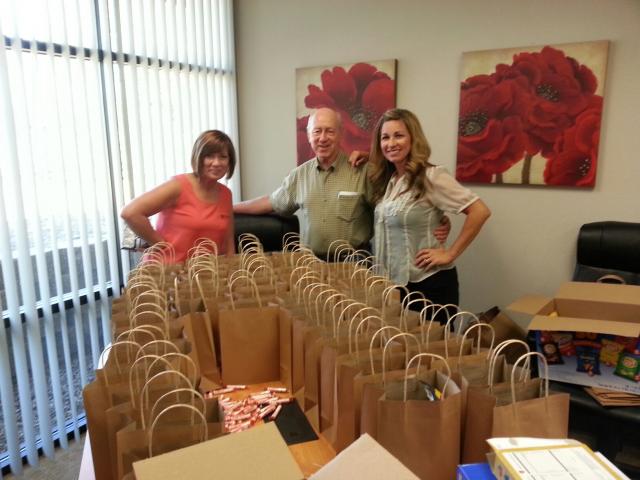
(423, 318)
(254, 288)
(290, 241)
(419, 356)
(386, 293)
(130, 333)
(271, 275)
(157, 298)
(162, 317)
(331, 248)
(309, 276)
(336, 325)
(406, 351)
(357, 271)
(546, 374)
(295, 271)
(331, 293)
(326, 310)
(134, 371)
(105, 353)
(359, 314)
(315, 313)
(368, 319)
(447, 325)
(171, 407)
(373, 339)
(493, 357)
(478, 326)
(176, 391)
(144, 394)
(168, 347)
(181, 356)
(307, 295)
(369, 283)
(208, 244)
(410, 296)
(404, 311)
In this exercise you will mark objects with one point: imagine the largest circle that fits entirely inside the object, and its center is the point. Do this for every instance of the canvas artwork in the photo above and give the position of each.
(361, 92)
(532, 116)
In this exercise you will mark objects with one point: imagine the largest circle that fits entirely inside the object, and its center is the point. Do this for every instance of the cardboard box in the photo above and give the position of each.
(259, 452)
(364, 458)
(588, 332)
(547, 459)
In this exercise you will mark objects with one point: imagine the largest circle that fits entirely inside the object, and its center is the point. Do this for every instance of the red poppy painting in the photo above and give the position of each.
(532, 116)
(360, 92)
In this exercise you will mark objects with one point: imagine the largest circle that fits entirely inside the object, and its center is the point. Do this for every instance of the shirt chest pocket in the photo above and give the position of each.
(349, 206)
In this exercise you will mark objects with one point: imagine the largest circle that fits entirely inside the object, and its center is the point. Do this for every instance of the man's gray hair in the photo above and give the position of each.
(312, 120)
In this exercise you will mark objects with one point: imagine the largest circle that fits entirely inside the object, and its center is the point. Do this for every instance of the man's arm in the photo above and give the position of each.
(256, 206)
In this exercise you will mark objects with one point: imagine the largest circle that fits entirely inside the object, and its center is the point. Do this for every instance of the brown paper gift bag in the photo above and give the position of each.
(424, 435)
(545, 417)
(136, 407)
(351, 343)
(350, 369)
(474, 367)
(482, 398)
(328, 373)
(367, 389)
(197, 330)
(96, 403)
(249, 344)
(135, 444)
(285, 329)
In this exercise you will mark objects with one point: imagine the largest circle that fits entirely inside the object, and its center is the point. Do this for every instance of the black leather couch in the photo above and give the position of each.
(269, 228)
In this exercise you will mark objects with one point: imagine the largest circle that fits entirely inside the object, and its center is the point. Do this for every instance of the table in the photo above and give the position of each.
(310, 456)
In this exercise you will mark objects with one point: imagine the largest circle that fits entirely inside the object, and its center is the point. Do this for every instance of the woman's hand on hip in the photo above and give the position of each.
(432, 257)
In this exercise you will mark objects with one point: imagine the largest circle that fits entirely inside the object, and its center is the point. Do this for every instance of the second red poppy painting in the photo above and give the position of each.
(360, 92)
(532, 116)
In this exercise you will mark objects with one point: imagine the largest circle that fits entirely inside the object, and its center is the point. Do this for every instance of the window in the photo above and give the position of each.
(100, 101)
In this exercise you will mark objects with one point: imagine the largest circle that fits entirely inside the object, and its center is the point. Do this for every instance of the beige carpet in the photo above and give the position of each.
(64, 466)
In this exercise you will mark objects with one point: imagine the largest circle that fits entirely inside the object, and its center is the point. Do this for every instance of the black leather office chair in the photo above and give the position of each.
(608, 251)
(269, 228)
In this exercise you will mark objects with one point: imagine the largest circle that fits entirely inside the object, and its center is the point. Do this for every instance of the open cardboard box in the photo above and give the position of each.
(595, 329)
(259, 452)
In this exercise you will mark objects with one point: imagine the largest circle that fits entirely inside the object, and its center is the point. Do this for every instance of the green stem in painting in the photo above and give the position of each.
(526, 169)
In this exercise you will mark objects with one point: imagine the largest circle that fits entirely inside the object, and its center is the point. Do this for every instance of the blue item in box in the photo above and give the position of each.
(474, 471)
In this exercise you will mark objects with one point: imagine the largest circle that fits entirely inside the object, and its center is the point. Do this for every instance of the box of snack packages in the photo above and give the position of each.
(588, 332)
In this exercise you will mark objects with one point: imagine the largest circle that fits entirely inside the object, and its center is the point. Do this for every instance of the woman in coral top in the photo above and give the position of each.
(192, 205)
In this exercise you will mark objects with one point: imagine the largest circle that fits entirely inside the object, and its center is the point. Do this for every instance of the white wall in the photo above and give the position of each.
(528, 245)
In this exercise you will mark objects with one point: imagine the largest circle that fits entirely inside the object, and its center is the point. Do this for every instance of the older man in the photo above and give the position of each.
(332, 196)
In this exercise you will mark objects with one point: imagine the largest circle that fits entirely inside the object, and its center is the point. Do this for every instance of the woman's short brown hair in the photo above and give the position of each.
(210, 143)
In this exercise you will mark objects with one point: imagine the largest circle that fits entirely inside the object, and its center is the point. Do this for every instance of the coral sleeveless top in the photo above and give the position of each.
(191, 218)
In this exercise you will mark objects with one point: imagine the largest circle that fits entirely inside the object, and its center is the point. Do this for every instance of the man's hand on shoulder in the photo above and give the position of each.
(442, 232)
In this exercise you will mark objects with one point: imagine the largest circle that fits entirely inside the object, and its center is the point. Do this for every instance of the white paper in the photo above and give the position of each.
(568, 463)
(507, 443)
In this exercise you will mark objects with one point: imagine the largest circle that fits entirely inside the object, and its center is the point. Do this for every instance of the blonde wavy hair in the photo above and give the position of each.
(380, 169)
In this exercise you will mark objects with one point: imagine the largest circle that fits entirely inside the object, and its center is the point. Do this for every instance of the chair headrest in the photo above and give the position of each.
(610, 245)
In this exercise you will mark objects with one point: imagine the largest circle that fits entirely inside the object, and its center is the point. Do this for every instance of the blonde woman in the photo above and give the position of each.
(411, 196)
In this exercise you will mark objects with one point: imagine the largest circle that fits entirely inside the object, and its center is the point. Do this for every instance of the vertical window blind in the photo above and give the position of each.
(100, 100)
